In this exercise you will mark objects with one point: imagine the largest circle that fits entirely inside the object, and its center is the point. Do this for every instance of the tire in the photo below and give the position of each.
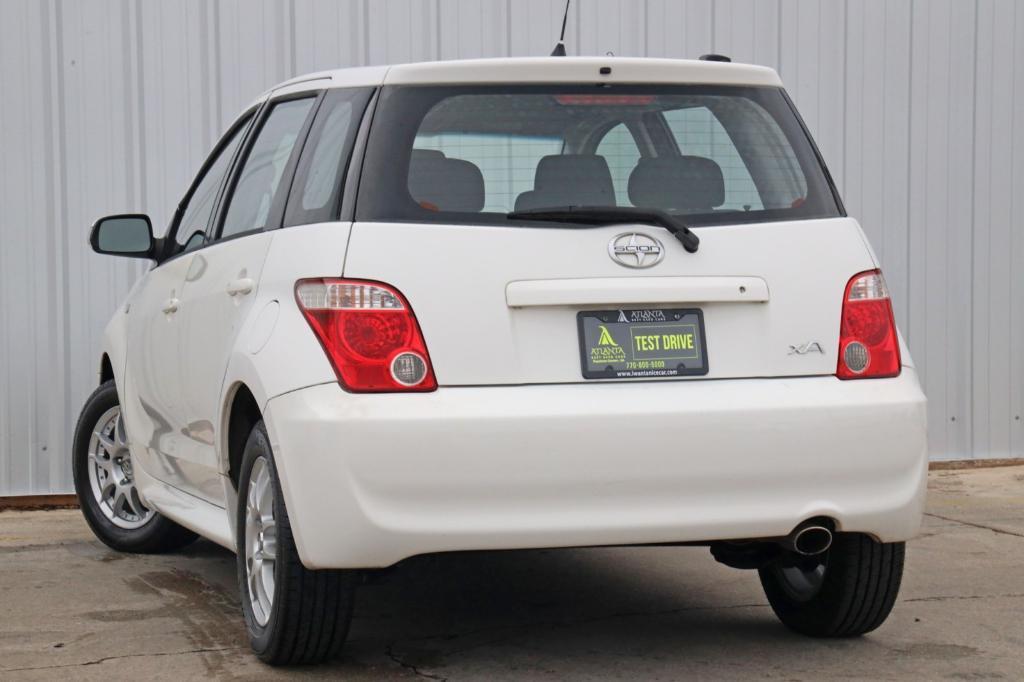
(306, 617)
(849, 592)
(105, 486)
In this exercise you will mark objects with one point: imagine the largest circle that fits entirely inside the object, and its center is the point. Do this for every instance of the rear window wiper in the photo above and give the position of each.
(610, 215)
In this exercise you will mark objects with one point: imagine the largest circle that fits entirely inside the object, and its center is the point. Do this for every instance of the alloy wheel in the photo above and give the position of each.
(111, 475)
(260, 540)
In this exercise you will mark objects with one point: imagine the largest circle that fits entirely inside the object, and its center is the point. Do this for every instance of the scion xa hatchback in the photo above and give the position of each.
(506, 304)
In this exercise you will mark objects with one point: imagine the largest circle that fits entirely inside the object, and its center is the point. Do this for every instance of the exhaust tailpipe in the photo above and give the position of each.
(808, 539)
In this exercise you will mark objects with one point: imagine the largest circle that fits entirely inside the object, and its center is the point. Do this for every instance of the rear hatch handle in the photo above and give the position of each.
(610, 215)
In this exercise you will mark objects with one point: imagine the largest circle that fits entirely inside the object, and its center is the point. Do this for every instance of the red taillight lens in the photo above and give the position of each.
(868, 346)
(370, 334)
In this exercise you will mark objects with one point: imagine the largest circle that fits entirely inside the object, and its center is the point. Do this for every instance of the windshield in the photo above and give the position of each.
(473, 154)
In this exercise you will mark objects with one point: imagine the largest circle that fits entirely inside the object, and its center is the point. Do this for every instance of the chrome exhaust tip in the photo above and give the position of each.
(808, 539)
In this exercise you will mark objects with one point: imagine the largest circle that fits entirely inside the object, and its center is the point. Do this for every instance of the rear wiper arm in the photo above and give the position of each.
(610, 215)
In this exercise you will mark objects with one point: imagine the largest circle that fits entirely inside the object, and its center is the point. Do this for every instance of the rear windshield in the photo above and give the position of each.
(472, 154)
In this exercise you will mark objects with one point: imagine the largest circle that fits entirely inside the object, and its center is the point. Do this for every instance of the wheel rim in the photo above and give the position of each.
(802, 579)
(260, 540)
(111, 475)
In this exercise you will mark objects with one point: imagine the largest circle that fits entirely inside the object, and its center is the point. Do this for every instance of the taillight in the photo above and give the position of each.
(604, 100)
(370, 334)
(868, 346)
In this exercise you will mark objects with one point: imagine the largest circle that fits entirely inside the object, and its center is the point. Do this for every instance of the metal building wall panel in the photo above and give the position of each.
(942, 105)
(254, 41)
(328, 33)
(23, 178)
(1015, 294)
(96, 159)
(467, 28)
(610, 26)
(112, 106)
(534, 26)
(992, 253)
(402, 31)
(680, 29)
(750, 28)
(174, 103)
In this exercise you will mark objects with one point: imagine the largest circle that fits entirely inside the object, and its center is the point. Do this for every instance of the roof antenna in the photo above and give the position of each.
(559, 50)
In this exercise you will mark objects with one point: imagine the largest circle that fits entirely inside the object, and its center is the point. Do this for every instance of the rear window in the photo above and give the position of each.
(472, 154)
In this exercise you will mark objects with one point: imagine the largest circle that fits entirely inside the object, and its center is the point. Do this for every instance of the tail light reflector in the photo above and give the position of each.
(370, 334)
(868, 345)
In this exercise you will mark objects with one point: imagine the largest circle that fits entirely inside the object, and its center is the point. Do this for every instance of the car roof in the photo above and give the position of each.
(538, 70)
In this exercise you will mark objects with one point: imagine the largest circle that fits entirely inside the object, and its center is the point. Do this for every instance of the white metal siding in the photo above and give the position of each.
(111, 105)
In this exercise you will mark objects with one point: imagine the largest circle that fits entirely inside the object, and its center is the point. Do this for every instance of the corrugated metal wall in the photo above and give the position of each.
(111, 105)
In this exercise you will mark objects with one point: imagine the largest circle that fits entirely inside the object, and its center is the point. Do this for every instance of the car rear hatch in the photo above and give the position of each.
(499, 305)
(510, 300)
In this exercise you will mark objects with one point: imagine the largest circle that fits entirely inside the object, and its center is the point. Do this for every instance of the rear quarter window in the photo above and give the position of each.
(319, 181)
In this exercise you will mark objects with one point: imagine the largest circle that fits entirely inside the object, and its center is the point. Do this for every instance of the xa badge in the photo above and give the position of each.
(636, 250)
(805, 348)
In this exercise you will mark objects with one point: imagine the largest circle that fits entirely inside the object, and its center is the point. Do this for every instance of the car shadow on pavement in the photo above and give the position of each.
(573, 610)
(577, 612)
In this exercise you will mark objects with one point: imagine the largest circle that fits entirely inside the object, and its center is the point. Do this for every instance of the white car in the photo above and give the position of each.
(512, 303)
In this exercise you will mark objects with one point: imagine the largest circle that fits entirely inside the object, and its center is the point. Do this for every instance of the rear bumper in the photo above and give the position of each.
(372, 479)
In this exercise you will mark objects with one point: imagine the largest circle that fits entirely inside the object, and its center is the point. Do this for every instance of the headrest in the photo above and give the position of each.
(422, 154)
(680, 182)
(436, 181)
(569, 180)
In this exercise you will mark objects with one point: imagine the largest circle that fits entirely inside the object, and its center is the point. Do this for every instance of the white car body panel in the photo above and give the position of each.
(151, 396)
(515, 449)
(211, 314)
(540, 70)
(271, 359)
(475, 338)
(602, 291)
(377, 478)
(202, 517)
(267, 356)
(582, 70)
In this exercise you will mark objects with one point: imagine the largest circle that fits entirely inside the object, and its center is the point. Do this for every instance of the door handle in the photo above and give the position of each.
(171, 306)
(240, 287)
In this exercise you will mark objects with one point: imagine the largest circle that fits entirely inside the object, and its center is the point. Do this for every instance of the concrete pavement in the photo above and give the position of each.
(70, 608)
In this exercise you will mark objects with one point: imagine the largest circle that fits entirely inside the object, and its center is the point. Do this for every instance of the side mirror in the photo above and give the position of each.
(129, 235)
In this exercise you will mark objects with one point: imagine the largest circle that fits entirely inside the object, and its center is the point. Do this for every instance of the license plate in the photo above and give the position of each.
(644, 342)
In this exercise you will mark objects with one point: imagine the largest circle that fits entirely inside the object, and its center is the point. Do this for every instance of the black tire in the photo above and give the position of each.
(853, 596)
(158, 534)
(311, 610)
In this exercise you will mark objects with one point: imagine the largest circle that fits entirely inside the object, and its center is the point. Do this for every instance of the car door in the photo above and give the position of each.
(221, 280)
(152, 393)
